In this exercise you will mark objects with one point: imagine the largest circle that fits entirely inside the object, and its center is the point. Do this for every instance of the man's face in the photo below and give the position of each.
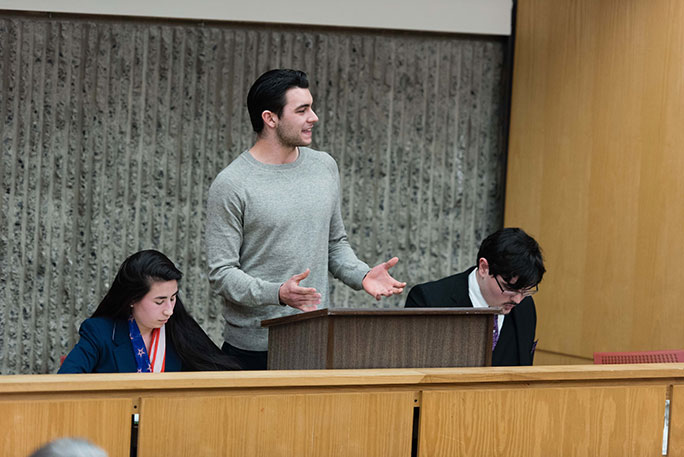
(496, 291)
(295, 124)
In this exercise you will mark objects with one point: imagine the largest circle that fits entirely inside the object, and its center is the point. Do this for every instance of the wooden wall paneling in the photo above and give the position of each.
(587, 421)
(542, 357)
(29, 424)
(595, 169)
(336, 424)
(676, 433)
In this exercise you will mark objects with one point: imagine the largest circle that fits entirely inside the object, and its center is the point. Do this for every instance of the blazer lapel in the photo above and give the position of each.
(523, 358)
(513, 337)
(123, 350)
(460, 295)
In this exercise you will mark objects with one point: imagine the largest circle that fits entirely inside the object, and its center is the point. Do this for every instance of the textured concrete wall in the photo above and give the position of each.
(112, 132)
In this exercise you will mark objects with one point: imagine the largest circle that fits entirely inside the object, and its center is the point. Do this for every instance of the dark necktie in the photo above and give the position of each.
(496, 331)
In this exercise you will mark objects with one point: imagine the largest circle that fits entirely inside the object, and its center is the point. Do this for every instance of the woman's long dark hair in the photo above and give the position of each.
(134, 279)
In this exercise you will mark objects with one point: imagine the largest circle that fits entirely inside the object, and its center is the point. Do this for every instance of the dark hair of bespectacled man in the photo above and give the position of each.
(511, 253)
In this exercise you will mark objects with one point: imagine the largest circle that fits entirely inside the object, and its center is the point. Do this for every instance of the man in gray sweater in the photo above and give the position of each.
(274, 225)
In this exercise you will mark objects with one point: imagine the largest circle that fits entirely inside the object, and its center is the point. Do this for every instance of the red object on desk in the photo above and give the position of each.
(639, 357)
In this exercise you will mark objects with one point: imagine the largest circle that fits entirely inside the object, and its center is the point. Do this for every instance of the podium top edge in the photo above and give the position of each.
(380, 312)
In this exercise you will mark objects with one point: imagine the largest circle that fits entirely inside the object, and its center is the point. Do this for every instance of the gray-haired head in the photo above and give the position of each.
(69, 447)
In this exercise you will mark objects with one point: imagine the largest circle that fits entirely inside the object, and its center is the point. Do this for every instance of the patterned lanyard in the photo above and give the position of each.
(142, 360)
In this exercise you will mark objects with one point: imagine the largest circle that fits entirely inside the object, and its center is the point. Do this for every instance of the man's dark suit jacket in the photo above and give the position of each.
(105, 347)
(516, 339)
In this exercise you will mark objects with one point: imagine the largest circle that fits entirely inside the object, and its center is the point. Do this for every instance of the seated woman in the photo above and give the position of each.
(141, 326)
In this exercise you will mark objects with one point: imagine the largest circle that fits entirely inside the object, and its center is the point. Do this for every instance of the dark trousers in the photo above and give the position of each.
(248, 360)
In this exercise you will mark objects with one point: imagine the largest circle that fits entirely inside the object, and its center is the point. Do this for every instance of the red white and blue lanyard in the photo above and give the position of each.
(157, 348)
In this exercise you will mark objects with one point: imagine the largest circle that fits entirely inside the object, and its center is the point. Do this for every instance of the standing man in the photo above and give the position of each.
(274, 225)
(509, 268)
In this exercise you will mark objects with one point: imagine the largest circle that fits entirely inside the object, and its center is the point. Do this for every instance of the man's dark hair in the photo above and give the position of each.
(268, 93)
(511, 253)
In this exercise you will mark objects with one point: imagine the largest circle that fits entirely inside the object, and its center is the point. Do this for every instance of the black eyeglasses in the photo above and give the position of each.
(511, 292)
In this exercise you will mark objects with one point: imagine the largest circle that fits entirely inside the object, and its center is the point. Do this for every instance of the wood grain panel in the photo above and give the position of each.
(591, 421)
(119, 384)
(350, 412)
(595, 169)
(542, 357)
(372, 338)
(28, 425)
(676, 435)
(307, 352)
(429, 341)
(344, 425)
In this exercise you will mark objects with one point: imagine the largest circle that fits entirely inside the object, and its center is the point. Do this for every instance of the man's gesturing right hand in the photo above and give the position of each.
(302, 298)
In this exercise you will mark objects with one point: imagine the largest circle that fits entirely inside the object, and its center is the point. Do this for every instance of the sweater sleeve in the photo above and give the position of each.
(342, 261)
(224, 237)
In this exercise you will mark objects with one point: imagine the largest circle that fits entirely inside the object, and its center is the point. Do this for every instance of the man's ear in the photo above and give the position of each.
(483, 267)
(269, 118)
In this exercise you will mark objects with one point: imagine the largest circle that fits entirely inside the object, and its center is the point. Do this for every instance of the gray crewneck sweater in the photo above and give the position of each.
(266, 223)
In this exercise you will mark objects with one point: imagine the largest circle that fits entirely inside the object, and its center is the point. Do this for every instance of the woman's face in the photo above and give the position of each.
(156, 307)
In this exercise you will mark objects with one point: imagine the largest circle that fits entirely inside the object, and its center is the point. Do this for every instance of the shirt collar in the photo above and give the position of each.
(474, 292)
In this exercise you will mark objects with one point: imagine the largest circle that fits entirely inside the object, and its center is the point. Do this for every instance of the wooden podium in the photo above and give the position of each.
(381, 338)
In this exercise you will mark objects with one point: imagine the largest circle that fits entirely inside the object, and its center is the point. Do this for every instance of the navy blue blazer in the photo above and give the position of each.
(516, 340)
(105, 347)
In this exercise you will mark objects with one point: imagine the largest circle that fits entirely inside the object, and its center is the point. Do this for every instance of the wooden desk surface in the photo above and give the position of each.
(615, 409)
(334, 378)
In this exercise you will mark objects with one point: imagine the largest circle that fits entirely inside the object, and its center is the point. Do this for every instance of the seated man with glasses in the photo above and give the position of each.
(509, 268)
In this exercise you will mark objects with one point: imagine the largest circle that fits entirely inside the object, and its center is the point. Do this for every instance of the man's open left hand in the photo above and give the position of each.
(379, 283)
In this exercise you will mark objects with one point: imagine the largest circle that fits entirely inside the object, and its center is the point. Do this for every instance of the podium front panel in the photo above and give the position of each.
(400, 338)
(300, 345)
(419, 342)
